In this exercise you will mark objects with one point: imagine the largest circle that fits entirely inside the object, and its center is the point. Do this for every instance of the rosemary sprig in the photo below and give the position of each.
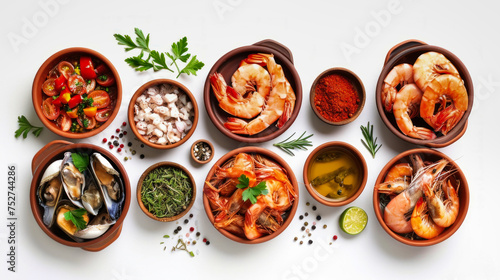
(370, 143)
(299, 143)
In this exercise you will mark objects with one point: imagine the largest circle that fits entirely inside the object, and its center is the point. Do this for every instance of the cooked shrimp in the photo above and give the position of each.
(393, 187)
(421, 222)
(443, 212)
(234, 225)
(443, 89)
(406, 104)
(395, 213)
(278, 103)
(399, 76)
(429, 66)
(252, 79)
(399, 171)
(234, 103)
(243, 165)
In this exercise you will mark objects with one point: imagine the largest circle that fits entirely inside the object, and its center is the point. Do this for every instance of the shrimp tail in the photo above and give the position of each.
(287, 113)
(447, 119)
(260, 59)
(236, 125)
(422, 133)
(218, 85)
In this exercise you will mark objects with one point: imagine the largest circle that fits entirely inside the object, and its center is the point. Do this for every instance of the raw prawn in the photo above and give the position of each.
(279, 104)
(399, 76)
(422, 223)
(443, 212)
(395, 213)
(406, 106)
(444, 89)
(430, 65)
(233, 102)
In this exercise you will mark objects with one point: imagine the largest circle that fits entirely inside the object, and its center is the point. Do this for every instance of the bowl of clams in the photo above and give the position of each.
(80, 194)
(424, 94)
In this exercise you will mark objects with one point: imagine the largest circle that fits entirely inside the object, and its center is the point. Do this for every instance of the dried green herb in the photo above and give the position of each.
(166, 191)
(181, 245)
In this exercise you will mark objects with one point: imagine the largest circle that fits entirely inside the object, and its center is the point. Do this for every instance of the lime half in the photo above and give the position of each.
(353, 220)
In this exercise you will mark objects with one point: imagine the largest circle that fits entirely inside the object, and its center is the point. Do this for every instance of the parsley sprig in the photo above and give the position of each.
(76, 216)
(25, 127)
(370, 144)
(253, 192)
(157, 60)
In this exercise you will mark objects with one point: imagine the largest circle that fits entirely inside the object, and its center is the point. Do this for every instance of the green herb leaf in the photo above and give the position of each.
(300, 143)
(166, 236)
(76, 216)
(179, 49)
(25, 127)
(81, 161)
(253, 192)
(181, 245)
(125, 41)
(370, 144)
(193, 66)
(142, 41)
(244, 181)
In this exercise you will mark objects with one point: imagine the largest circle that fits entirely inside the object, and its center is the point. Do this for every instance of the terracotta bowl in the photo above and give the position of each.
(272, 156)
(53, 151)
(355, 155)
(41, 76)
(356, 83)
(463, 194)
(228, 64)
(139, 189)
(408, 52)
(140, 91)
(211, 148)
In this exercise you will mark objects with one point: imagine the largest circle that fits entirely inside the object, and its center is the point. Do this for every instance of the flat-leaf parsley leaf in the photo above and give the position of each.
(251, 193)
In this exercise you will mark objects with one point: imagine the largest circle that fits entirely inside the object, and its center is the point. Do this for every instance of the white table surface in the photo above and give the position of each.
(321, 34)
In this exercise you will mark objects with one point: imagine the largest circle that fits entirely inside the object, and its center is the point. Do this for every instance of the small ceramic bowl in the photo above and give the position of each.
(278, 160)
(228, 64)
(463, 194)
(140, 91)
(355, 156)
(53, 151)
(408, 52)
(42, 74)
(354, 80)
(193, 152)
(139, 189)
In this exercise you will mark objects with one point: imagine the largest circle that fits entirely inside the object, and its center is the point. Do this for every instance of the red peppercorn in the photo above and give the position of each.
(111, 146)
(112, 136)
(121, 145)
(117, 130)
(104, 140)
(335, 237)
(191, 229)
(125, 132)
(124, 123)
(204, 240)
(119, 150)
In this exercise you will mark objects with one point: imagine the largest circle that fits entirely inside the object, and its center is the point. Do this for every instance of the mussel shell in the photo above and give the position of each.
(92, 197)
(52, 172)
(97, 227)
(108, 178)
(67, 226)
(67, 164)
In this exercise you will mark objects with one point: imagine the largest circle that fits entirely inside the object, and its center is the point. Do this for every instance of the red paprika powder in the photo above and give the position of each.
(336, 98)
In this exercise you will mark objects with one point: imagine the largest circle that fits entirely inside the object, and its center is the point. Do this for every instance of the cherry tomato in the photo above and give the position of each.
(103, 115)
(89, 121)
(57, 102)
(90, 85)
(77, 84)
(50, 111)
(64, 121)
(74, 101)
(87, 68)
(101, 69)
(106, 80)
(49, 87)
(73, 113)
(60, 82)
(101, 98)
(66, 69)
(90, 111)
(65, 97)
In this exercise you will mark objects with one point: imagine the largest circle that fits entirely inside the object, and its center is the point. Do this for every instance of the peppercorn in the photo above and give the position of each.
(191, 229)
(142, 145)
(313, 227)
(104, 140)
(124, 124)
(117, 130)
(120, 135)
(314, 208)
(176, 231)
(301, 217)
(204, 240)
(306, 223)
(179, 228)
(318, 217)
(129, 144)
(190, 215)
(295, 238)
(142, 156)
(125, 132)
(335, 237)
(306, 214)
(303, 228)
(186, 221)
(324, 226)
(301, 242)
(339, 192)
(115, 143)
(307, 203)
(208, 242)
(310, 242)
(198, 234)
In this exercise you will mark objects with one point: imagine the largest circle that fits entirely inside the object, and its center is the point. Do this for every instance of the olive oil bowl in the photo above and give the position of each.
(153, 204)
(335, 173)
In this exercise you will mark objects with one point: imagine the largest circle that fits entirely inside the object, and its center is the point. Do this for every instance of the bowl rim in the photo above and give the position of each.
(40, 78)
(285, 62)
(139, 91)
(291, 175)
(458, 131)
(109, 236)
(448, 231)
(357, 157)
(353, 78)
(211, 147)
(139, 188)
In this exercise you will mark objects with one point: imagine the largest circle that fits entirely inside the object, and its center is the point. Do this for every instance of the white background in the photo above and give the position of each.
(316, 33)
